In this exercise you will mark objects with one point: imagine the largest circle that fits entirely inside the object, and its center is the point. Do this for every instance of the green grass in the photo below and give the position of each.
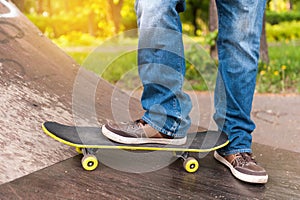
(281, 75)
(119, 67)
(79, 57)
(123, 71)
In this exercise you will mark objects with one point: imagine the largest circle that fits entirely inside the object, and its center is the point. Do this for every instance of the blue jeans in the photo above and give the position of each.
(162, 68)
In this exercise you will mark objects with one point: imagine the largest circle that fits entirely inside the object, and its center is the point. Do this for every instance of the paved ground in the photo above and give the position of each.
(67, 180)
(278, 121)
(277, 118)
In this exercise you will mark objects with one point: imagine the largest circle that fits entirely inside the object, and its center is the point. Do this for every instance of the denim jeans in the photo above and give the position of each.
(162, 68)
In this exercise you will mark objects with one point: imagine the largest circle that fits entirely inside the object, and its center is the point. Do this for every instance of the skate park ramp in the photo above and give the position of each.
(37, 84)
(40, 82)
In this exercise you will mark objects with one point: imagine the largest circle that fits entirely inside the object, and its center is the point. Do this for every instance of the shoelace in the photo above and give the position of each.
(244, 158)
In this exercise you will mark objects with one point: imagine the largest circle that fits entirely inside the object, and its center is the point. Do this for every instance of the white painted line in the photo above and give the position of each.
(13, 11)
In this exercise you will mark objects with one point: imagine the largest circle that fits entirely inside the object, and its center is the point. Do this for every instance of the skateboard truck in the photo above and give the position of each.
(89, 161)
(190, 164)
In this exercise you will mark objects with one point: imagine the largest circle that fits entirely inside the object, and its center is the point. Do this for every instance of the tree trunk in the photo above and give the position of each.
(66, 5)
(194, 21)
(20, 4)
(40, 8)
(49, 7)
(264, 53)
(115, 8)
(91, 23)
(213, 25)
(194, 10)
(290, 5)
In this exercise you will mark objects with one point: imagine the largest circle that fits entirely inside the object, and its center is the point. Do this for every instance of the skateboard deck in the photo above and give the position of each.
(87, 140)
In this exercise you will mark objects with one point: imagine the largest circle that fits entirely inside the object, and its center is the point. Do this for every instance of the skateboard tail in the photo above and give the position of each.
(57, 138)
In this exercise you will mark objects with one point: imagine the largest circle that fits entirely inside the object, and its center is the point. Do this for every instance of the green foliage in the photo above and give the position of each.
(283, 5)
(124, 64)
(192, 6)
(195, 16)
(282, 73)
(276, 18)
(128, 15)
(89, 17)
(79, 57)
(63, 23)
(211, 38)
(200, 68)
(283, 31)
(74, 38)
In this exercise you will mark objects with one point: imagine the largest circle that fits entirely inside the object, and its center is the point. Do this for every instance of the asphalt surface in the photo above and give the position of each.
(277, 118)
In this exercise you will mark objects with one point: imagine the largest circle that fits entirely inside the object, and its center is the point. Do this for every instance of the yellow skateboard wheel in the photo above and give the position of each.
(191, 165)
(79, 150)
(89, 162)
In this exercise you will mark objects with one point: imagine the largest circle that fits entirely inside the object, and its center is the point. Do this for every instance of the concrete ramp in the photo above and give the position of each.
(37, 83)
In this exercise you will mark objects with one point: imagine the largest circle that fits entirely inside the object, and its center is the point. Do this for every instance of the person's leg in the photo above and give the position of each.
(162, 68)
(240, 25)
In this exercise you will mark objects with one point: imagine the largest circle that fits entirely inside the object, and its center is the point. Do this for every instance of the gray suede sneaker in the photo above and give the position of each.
(244, 167)
(138, 132)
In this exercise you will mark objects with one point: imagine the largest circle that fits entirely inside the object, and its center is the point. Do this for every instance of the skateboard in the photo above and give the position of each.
(88, 140)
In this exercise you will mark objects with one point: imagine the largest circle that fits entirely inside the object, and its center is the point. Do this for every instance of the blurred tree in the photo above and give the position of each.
(281, 5)
(40, 7)
(49, 7)
(264, 53)
(290, 4)
(20, 4)
(213, 26)
(196, 11)
(66, 5)
(115, 13)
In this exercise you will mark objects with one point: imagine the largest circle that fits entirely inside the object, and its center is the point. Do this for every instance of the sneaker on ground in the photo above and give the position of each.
(244, 167)
(138, 132)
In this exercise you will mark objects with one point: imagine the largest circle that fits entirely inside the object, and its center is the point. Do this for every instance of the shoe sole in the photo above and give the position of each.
(239, 175)
(127, 140)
